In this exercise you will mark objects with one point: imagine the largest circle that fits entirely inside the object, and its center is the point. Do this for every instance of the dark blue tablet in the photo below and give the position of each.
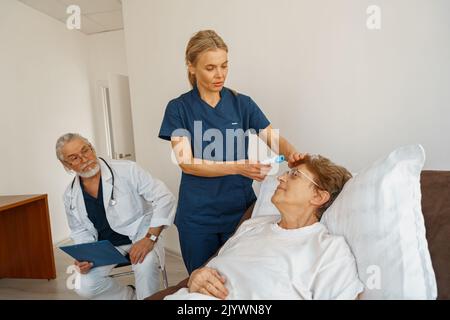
(101, 253)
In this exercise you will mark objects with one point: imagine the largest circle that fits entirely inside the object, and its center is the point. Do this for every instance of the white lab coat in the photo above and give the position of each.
(141, 202)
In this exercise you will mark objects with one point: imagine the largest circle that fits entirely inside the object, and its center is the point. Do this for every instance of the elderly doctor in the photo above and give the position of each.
(114, 200)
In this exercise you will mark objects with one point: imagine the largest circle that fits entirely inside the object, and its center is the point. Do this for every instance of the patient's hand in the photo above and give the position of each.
(208, 281)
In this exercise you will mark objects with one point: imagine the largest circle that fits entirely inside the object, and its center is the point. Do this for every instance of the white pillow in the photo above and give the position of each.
(379, 214)
(264, 191)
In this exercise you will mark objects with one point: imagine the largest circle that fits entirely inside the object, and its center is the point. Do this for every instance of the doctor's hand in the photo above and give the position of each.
(295, 157)
(84, 266)
(256, 171)
(209, 282)
(140, 249)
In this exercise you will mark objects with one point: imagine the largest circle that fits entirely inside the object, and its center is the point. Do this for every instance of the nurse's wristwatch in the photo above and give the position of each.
(152, 237)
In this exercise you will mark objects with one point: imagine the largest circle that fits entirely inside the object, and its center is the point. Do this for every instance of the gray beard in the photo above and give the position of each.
(90, 173)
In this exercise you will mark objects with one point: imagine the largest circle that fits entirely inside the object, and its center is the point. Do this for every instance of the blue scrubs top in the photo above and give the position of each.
(213, 205)
(97, 214)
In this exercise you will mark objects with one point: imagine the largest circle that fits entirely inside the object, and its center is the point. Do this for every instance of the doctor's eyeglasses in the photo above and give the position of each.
(75, 159)
(298, 173)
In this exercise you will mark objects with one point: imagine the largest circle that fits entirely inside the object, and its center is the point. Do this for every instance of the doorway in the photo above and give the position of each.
(117, 122)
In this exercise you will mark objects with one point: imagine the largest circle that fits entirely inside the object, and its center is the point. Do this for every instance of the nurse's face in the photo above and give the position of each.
(297, 189)
(211, 70)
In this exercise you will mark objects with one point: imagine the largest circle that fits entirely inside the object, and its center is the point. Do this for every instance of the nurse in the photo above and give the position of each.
(208, 129)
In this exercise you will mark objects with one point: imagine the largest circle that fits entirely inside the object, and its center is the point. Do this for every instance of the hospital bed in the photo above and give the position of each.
(435, 187)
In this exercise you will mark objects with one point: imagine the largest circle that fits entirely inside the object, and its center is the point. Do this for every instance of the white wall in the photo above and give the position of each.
(331, 85)
(44, 92)
(49, 86)
(106, 55)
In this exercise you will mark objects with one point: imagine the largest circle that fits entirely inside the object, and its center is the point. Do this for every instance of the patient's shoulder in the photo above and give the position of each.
(334, 244)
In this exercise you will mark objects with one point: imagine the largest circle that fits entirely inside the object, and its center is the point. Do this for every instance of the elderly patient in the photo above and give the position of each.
(291, 256)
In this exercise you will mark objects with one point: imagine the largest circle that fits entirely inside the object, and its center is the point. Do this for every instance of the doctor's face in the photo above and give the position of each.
(211, 70)
(79, 156)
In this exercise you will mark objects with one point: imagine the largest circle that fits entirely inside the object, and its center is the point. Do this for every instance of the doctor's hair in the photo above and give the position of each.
(202, 41)
(61, 142)
(328, 175)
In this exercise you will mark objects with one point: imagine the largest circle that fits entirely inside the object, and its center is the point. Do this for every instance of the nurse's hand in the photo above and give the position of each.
(209, 282)
(84, 266)
(140, 249)
(294, 157)
(255, 171)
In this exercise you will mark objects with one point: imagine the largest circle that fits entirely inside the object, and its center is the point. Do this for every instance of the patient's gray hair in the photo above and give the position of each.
(61, 142)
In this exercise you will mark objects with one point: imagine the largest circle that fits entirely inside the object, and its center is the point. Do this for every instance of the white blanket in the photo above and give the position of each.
(264, 261)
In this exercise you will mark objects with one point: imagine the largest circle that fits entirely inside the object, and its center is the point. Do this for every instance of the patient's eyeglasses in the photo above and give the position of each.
(298, 173)
(75, 159)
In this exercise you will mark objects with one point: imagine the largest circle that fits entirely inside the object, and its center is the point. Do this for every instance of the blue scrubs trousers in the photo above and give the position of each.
(197, 247)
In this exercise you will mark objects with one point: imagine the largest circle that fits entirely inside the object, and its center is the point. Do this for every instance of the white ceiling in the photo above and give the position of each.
(96, 15)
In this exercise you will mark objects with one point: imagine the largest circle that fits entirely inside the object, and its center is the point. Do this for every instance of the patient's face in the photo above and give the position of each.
(295, 189)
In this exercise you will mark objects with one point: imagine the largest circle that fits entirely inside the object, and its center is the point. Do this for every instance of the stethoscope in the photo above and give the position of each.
(112, 201)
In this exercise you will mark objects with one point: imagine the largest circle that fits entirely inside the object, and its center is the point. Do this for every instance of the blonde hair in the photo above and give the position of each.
(202, 41)
(329, 176)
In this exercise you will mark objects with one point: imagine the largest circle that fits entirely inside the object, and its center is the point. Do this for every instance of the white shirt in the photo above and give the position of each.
(141, 202)
(265, 261)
